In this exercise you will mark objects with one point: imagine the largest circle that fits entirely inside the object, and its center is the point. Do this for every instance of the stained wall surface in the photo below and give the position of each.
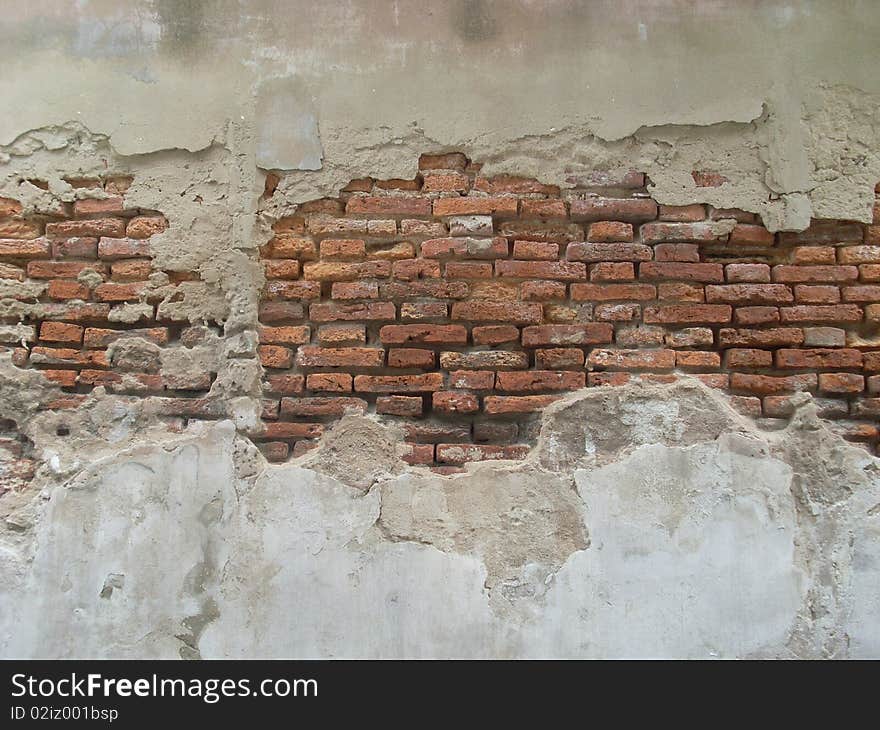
(165, 168)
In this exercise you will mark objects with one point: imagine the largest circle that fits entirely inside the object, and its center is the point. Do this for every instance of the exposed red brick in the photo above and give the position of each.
(691, 360)
(275, 356)
(683, 252)
(749, 294)
(608, 292)
(455, 401)
(425, 383)
(833, 313)
(559, 358)
(354, 290)
(144, 226)
(535, 381)
(67, 289)
(535, 250)
(345, 271)
(560, 270)
(748, 235)
(284, 335)
(841, 383)
(510, 404)
(446, 182)
(594, 252)
(590, 333)
(748, 358)
(610, 232)
(468, 270)
(367, 311)
(32, 249)
(632, 359)
(679, 232)
(814, 274)
(514, 312)
(543, 209)
(756, 315)
(632, 210)
(773, 337)
(410, 269)
(542, 291)
(682, 213)
(473, 248)
(410, 357)
(97, 227)
(475, 206)
(388, 205)
(818, 358)
(514, 185)
(362, 357)
(686, 272)
(484, 360)
(464, 453)
(329, 382)
(772, 385)
(688, 314)
(495, 334)
(343, 249)
(321, 406)
(417, 453)
(471, 379)
(399, 405)
(60, 332)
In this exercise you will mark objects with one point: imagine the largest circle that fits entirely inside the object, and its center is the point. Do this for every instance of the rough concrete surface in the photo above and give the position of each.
(648, 521)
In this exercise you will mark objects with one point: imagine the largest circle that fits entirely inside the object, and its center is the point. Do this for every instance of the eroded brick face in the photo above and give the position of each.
(463, 305)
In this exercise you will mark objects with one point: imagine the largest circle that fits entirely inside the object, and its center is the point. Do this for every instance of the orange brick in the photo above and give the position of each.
(542, 291)
(329, 382)
(274, 356)
(410, 357)
(690, 359)
(632, 359)
(560, 270)
(814, 274)
(97, 227)
(535, 250)
(451, 402)
(131, 270)
(144, 226)
(706, 273)
(282, 269)
(818, 358)
(293, 290)
(465, 453)
(60, 332)
(345, 271)
(473, 248)
(609, 292)
(473, 379)
(841, 383)
(119, 292)
(98, 206)
(62, 378)
(410, 269)
(33, 249)
(446, 182)
(633, 210)
(474, 206)
(559, 358)
(610, 232)
(469, 270)
(611, 271)
(343, 249)
(595, 252)
(484, 360)
(100, 337)
(67, 289)
(286, 383)
(682, 252)
(513, 312)
(682, 213)
(398, 383)
(389, 205)
(370, 311)
(299, 407)
(688, 314)
(772, 385)
(122, 248)
(284, 335)
(512, 404)
(362, 357)
(748, 358)
(536, 381)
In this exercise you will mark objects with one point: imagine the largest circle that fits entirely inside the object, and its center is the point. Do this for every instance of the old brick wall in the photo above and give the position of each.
(457, 305)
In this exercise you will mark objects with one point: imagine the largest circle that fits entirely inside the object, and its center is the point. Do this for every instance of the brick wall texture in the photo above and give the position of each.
(462, 305)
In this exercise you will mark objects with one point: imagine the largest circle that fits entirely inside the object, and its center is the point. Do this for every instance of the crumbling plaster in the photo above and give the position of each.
(647, 522)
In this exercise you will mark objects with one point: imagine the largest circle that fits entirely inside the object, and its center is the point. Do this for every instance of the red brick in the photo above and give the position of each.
(683, 252)
(67, 289)
(98, 206)
(535, 381)
(591, 333)
(632, 359)
(399, 405)
(452, 334)
(814, 274)
(610, 232)
(425, 383)
(443, 161)
(133, 269)
(432, 229)
(392, 252)
(560, 270)
(559, 358)
(823, 232)
(747, 235)
(119, 292)
(816, 294)
(688, 337)
(869, 272)
(697, 360)
(756, 315)
(543, 209)
(609, 271)
(748, 358)
(62, 378)
(473, 379)
(594, 252)
(123, 248)
(747, 405)
(473, 248)
(858, 254)
(620, 312)
(475, 206)
(749, 294)
(404, 357)
(368, 311)
(542, 291)
(438, 289)
(633, 210)
(450, 402)
(284, 335)
(833, 313)
(388, 205)
(410, 269)
(33, 249)
(495, 334)
(97, 227)
(446, 182)
(514, 185)
(514, 312)
(418, 453)
(685, 272)
(465, 453)
(494, 431)
(76, 312)
(291, 247)
(688, 314)
(609, 292)
(679, 232)
(706, 179)
(290, 430)
(772, 385)
(144, 226)
(747, 273)
(328, 382)
(60, 332)
(484, 360)
(19, 229)
(275, 451)
(359, 357)
(678, 291)
(841, 383)
(535, 250)
(774, 337)
(100, 337)
(293, 290)
(507, 404)
(682, 213)
(274, 356)
(496, 290)
(343, 249)
(321, 406)
(75, 248)
(818, 358)
(469, 270)
(355, 290)
(345, 271)
(9, 207)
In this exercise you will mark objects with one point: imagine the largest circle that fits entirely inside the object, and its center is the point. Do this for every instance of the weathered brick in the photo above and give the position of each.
(399, 405)
(62, 378)
(291, 247)
(682, 213)
(360, 357)
(748, 235)
(816, 294)
(495, 334)
(443, 161)
(343, 249)
(423, 310)
(535, 250)
(291, 430)
(559, 358)
(543, 209)
(512, 404)
(689, 337)
(740, 294)
(748, 358)
(610, 232)
(336, 335)
(511, 184)
(97, 227)
(446, 182)
(611, 271)
(438, 289)
(706, 273)
(396, 205)
(417, 453)
(814, 255)
(773, 337)
(688, 314)
(494, 431)
(11, 228)
(594, 252)
(132, 269)
(632, 359)
(293, 290)
(609, 292)
(144, 226)
(60, 332)
(589, 333)
(354, 290)
(367, 311)
(772, 385)
(841, 383)
(66, 356)
(392, 252)
(475, 206)
(33, 249)
(98, 206)
(345, 271)
(542, 291)
(695, 360)
(425, 383)
(747, 273)
(455, 401)
(832, 313)
(75, 248)
(679, 291)
(67, 289)
(410, 269)
(473, 248)
(484, 360)
(321, 406)
(535, 381)
(432, 229)
(814, 274)
(275, 451)
(864, 293)
(823, 232)
(619, 312)
(756, 315)
(824, 337)
(465, 453)
(284, 335)
(101, 337)
(123, 248)
(632, 210)
(651, 233)
(120, 292)
(549, 232)
(472, 379)
(513, 312)
(682, 252)
(424, 334)
(468, 270)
